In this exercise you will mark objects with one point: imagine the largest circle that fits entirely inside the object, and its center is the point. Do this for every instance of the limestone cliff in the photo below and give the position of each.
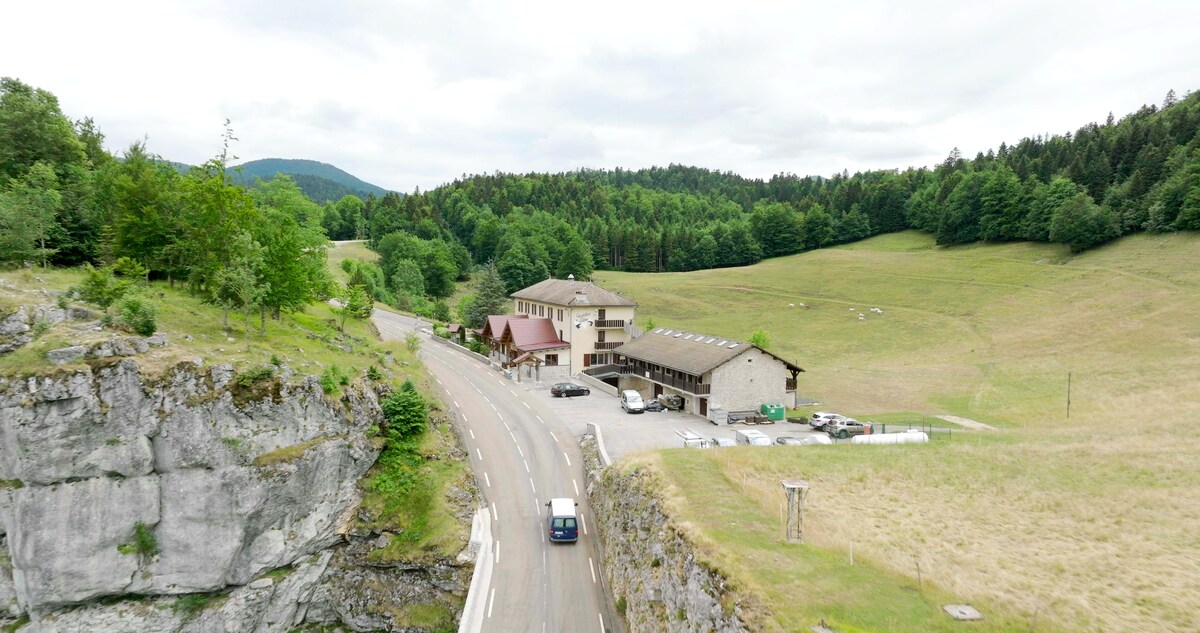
(117, 487)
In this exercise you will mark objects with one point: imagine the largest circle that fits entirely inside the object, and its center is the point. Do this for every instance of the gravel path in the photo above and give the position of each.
(964, 422)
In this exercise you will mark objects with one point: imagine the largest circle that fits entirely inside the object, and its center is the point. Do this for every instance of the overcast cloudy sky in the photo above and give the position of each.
(414, 93)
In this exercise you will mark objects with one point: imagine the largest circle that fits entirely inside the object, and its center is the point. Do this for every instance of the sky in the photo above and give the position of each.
(407, 94)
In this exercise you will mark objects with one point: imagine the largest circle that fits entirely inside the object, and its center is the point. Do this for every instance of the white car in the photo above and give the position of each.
(820, 418)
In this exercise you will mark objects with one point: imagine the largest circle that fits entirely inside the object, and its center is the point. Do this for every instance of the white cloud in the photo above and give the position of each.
(415, 93)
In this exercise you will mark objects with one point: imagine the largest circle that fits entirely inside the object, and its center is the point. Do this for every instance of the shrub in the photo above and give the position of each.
(329, 379)
(251, 376)
(139, 315)
(101, 287)
(129, 268)
(406, 413)
(621, 605)
(40, 328)
(144, 542)
(373, 373)
(63, 301)
(412, 341)
(275, 360)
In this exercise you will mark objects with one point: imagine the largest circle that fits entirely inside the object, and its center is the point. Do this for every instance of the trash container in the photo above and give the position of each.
(773, 411)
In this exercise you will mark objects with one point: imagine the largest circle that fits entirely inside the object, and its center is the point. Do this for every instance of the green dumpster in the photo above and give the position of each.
(773, 411)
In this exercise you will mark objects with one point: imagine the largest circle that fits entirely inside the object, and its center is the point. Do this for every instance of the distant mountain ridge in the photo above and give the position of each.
(320, 181)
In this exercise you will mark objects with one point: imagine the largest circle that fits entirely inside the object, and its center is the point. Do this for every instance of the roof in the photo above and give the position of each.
(695, 354)
(454, 328)
(569, 292)
(530, 335)
(495, 324)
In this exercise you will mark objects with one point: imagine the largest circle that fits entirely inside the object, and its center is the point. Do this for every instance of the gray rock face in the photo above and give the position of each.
(636, 532)
(72, 354)
(98, 450)
(64, 539)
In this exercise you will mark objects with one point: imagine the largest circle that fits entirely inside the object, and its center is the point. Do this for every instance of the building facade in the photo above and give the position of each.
(705, 372)
(593, 320)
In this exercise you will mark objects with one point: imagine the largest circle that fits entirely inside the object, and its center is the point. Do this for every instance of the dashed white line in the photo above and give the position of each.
(583, 522)
(531, 486)
(498, 552)
(520, 451)
(591, 565)
(479, 453)
(491, 602)
(495, 517)
(464, 417)
(527, 406)
(455, 402)
(472, 433)
(527, 466)
(553, 436)
(512, 392)
(576, 484)
(601, 616)
(539, 419)
(567, 457)
(487, 479)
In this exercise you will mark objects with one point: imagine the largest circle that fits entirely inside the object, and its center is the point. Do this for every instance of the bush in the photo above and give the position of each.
(139, 315)
(332, 377)
(251, 376)
(101, 287)
(144, 542)
(129, 269)
(405, 412)
(373, 373)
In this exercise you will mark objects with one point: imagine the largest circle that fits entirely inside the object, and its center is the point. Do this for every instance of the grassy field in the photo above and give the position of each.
(1084, 523)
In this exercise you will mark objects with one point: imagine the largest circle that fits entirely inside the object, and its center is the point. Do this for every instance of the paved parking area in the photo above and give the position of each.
(630, 432)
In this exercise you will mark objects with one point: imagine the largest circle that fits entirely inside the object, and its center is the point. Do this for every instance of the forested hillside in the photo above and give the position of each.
(66, 200)
(1141, 173)
(320, 181)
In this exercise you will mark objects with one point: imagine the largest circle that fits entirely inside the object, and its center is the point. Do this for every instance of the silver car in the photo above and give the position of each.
(821, 418)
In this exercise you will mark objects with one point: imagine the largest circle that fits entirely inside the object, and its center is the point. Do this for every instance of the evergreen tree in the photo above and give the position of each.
(576, 259)
(489, 297)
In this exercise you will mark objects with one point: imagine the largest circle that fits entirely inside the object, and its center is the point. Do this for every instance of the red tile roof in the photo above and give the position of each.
(530, 335)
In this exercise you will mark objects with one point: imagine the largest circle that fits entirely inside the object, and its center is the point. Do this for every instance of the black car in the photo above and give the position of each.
(655, 405)
(568, 389)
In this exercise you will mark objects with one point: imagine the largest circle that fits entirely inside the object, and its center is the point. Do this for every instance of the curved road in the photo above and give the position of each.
(522, 456)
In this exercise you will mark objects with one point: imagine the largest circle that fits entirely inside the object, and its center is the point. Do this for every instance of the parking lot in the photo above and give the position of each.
(625, 432)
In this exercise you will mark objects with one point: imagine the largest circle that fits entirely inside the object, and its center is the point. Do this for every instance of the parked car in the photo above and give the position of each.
(568, 389)
(632, 401)
(821, 418)
(846, 427)
(655, 405)
(787, 440)
(723, 441)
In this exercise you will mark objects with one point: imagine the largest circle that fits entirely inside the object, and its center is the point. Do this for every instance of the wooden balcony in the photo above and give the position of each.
(609, 345)
(678, 382)
(610, 323)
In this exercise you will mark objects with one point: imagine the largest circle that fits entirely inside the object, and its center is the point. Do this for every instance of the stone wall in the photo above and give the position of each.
(747, 381)
(652, 566)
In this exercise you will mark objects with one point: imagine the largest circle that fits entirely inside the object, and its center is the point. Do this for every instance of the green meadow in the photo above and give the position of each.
(1048, 523)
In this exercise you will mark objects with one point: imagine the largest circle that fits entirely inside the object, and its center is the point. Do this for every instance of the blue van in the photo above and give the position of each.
(563, 523)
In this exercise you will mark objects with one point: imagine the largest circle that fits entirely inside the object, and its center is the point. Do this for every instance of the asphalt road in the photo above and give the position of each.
(522, 455)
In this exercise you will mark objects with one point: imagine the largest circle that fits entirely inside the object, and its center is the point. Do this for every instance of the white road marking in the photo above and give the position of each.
(512, 392)
(532, 486)
(576, 484)
(506, 425)
(527, 406)
(495, 517)
(438, 379)
(590, 565)
(497, 551)
(464, 417)
(487, 479)
(539, 418)
(520, 451)
(455, 402)
(491, 602)
(601, 616)
(472, 433)
(527, 466)
(553, 436)
(499, 415)
(480, 453)
(567, 457)
(583, 522)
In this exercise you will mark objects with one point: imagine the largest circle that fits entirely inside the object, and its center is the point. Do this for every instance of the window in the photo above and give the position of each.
(560, 314)
(600, 336)
(601, 316)
(551, 360)
(541, 311)
(563, 522)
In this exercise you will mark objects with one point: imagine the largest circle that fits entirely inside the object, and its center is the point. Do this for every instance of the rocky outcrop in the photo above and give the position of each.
(117, 486)
(19, 328)
(652, 566)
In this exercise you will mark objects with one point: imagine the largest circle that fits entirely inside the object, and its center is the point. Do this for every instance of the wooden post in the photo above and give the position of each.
(796, 491)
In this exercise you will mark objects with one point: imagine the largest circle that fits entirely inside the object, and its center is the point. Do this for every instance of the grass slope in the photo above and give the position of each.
(1082, 524)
